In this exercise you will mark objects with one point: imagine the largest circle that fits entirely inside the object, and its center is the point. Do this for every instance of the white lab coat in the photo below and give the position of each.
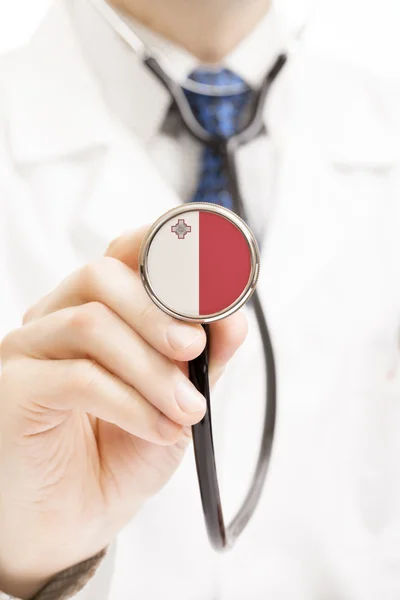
(328, 526)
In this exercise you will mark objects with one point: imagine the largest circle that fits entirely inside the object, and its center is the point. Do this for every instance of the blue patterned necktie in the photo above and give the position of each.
(220, 115)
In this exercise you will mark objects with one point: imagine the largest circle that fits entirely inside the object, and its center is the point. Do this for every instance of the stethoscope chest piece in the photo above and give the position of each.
(199, 262)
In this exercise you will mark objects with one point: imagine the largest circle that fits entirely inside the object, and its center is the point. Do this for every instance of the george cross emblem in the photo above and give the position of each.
(181, 229)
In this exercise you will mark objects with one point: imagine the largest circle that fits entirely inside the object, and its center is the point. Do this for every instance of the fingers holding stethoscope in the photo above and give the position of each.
(115, 285)
(52, 390)
(99, 327)
(94, 334)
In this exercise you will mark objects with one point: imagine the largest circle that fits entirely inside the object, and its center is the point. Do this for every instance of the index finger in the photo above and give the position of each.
(126, 247)
(227, 335)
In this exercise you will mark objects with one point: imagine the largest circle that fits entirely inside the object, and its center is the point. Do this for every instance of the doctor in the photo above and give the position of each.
(95, 406)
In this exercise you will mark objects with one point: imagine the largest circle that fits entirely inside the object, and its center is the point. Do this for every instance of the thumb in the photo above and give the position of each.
(126, 247)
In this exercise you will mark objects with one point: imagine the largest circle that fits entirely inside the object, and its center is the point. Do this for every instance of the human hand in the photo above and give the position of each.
(95, 414)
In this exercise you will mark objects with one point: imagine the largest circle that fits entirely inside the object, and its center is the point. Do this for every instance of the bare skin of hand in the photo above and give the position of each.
(95, 414)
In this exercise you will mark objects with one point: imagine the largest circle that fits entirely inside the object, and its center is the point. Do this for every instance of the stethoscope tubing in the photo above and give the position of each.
(221, 536)
(248, 133)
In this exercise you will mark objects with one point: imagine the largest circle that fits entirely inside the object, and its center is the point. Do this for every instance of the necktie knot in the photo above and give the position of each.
(219, 112)
(220, 109)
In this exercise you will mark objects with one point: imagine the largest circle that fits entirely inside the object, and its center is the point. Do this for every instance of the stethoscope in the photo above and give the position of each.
(221, 535)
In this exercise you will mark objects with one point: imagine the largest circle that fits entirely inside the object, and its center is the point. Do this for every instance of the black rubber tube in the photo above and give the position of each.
(223, 537)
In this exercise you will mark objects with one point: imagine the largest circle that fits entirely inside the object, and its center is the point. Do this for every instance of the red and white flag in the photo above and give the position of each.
(199, 263)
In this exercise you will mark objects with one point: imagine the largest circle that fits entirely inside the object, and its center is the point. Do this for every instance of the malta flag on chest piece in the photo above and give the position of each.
(199, 263)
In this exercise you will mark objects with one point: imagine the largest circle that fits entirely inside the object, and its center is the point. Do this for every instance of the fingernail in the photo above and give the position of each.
(188, 398)
(181, 336)
(168, 429)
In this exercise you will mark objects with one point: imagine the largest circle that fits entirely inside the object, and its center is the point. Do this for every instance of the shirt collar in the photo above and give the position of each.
(121, 74)
(66, 90)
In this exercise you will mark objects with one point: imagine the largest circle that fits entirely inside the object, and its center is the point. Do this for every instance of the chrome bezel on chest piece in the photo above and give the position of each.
(235, 220)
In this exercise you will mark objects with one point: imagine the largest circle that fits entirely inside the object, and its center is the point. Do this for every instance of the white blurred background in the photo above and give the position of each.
(364, 32)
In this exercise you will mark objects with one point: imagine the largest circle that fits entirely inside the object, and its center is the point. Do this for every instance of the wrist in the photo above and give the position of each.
(66, 583)
(24, 571)
(21, 585)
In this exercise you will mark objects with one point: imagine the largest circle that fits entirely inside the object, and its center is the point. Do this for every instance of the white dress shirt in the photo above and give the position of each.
(85, 153)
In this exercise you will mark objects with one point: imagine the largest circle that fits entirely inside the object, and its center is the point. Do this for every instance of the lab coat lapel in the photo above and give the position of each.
(65, 114)
(70, 126)
(293, 255)
(322, 150)
(120, 197)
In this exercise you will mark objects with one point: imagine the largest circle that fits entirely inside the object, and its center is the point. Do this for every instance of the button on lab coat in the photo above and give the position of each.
(328, 525)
